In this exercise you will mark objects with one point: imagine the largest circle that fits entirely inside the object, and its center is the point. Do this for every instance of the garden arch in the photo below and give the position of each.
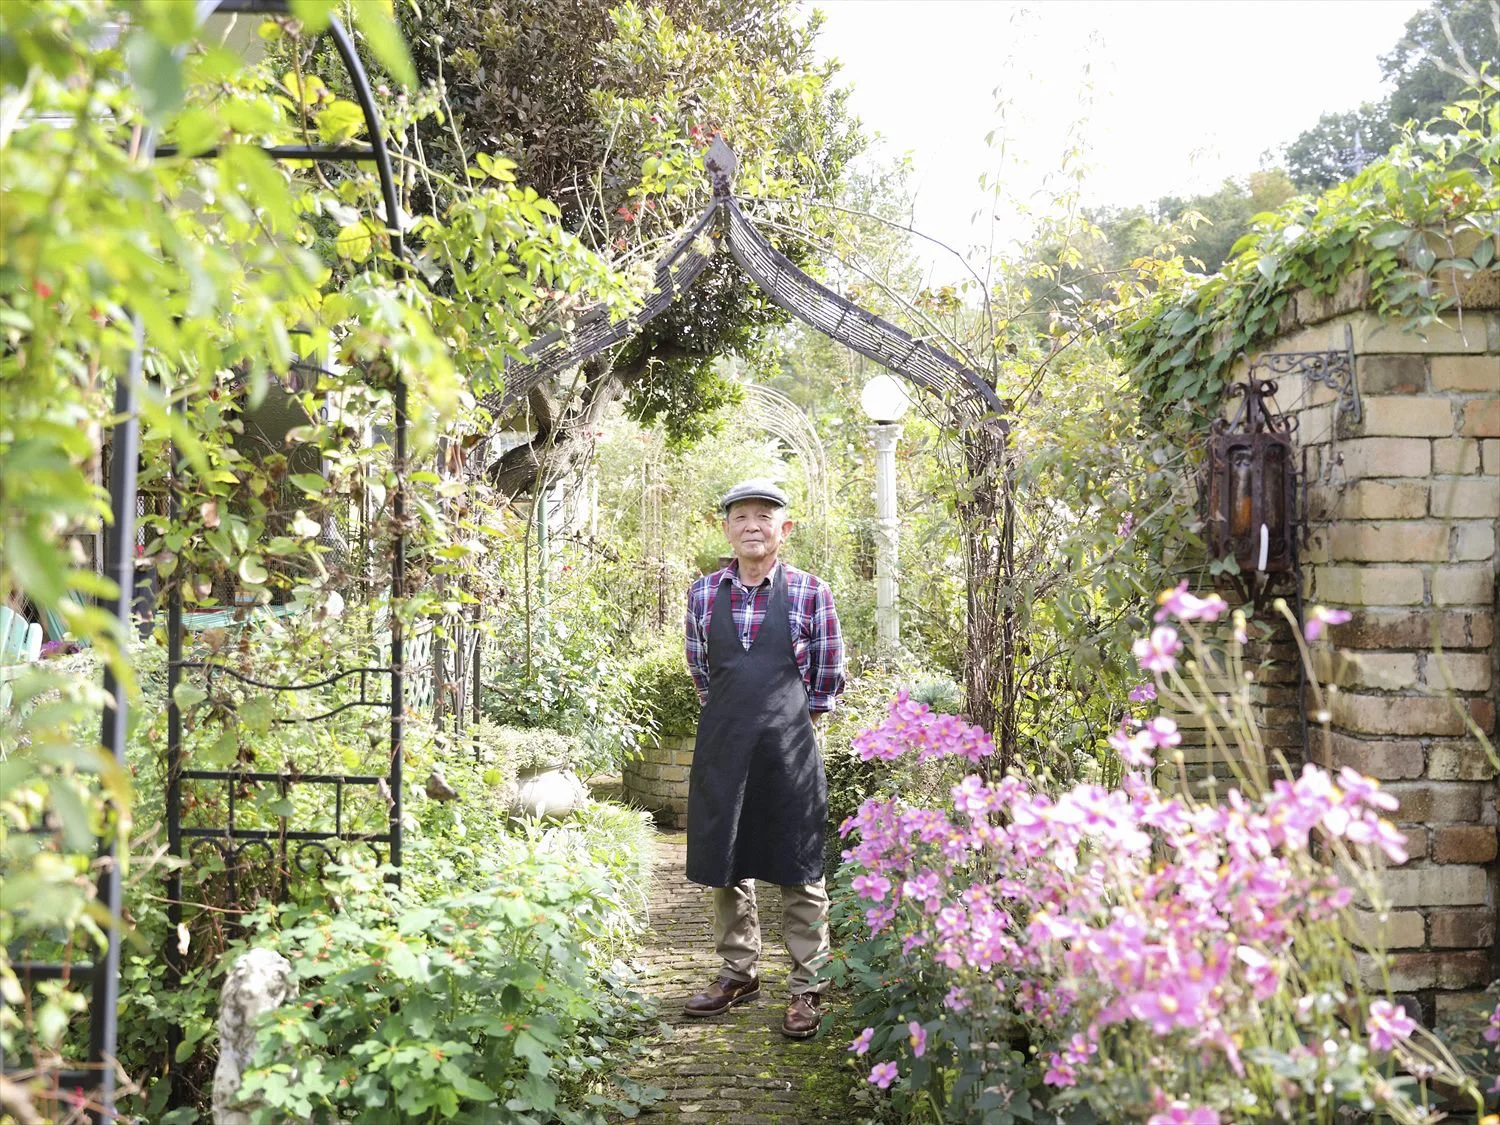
(966, 398)
(972, 400)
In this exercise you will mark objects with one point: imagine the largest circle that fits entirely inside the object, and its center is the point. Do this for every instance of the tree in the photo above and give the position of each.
(1425, 73)
(1421, 66)
(605, 110)
(1340, 144)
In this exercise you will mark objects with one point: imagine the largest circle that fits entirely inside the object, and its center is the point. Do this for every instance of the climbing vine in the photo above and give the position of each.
(1407, 230)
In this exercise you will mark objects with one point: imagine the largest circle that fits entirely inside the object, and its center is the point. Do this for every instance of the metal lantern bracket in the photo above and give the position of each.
(1333, 369)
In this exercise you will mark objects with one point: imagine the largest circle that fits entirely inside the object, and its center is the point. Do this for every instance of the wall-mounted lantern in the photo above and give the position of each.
(1252, 485)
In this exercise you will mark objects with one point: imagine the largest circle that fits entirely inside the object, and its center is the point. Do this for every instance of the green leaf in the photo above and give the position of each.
(251, 570)
(309, 482)
(156, 74)
(354, 241)
(73, 813)
(340, 121)
(1390, 236)
(188, 695)
(313, 14)
(1484, 253)
(38, 565)
(377, 23)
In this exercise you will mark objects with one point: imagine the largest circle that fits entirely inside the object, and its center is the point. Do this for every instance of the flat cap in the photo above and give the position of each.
(756, 489)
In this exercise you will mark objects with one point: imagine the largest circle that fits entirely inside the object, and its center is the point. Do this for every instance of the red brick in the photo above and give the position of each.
(1481, 418)
(1462, 929)
(1463, 843)
(1393, 374)
(1396, 714)
(1386, 759)
(1446, 802)
(1414, 629)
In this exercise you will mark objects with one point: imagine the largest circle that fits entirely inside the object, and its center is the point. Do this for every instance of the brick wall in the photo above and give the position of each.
(1404, 507)
(658, 780)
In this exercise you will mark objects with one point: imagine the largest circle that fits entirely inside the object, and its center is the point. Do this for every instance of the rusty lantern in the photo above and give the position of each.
(1252, 484)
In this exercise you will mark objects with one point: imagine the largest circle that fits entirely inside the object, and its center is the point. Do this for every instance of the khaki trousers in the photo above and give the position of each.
(804, 928)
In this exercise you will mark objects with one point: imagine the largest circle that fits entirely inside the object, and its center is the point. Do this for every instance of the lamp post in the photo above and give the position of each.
(884, 401)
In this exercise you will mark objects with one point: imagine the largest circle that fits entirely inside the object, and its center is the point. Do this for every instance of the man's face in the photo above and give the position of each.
(756, 529)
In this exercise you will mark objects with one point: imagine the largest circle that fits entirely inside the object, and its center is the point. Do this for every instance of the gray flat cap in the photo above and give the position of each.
(756, 489)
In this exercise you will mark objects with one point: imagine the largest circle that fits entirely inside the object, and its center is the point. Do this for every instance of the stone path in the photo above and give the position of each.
(736, 1068)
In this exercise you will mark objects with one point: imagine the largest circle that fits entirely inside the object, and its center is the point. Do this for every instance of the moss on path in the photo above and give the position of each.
(736, 1068)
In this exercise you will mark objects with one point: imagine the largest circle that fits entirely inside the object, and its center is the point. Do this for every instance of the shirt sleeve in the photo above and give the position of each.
(697, 644)
(825, 671)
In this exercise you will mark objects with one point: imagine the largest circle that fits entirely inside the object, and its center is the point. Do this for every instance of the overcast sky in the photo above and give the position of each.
(1175, 94)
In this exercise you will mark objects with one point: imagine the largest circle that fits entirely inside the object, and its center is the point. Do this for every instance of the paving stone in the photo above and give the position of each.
(736, 1067)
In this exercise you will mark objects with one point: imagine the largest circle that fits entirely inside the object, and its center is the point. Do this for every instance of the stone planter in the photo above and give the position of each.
(658, 779)
(550, 792)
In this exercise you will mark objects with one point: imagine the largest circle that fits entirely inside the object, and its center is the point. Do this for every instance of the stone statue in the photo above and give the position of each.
(258, 981)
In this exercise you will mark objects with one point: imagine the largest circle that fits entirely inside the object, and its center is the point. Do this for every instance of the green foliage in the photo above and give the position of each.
(453, 849)
(565, 665)
(1419, 218)
(663, 694)
(607, 108)
(526, 749)
(481, 1005)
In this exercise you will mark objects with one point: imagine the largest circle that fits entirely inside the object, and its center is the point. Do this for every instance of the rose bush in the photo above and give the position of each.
(1131, 950)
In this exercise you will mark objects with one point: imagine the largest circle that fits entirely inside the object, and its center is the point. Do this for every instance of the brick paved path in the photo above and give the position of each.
(736, 1068)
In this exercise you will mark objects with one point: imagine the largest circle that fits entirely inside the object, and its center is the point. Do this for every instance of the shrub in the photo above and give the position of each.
(482, 1005)
(663, 694)
(1166, 959)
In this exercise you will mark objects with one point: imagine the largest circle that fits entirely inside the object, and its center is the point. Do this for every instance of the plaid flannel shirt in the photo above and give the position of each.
(814, 625)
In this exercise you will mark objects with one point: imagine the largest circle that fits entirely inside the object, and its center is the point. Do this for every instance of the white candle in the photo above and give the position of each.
(1265, 546)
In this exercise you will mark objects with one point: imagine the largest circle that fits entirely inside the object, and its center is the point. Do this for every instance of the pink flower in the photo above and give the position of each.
(1158, 652)
(861, 1042)
(917, 1037)
(1260, 972)
(1388, 1025)
(1134, 749)
(1163, 733)
(1492, 1033)
(872, 887)
(1060, 1072)
(1318, 617)
(1184, 606)
(1143, 693)
(882, 1075)
(1180, 1113)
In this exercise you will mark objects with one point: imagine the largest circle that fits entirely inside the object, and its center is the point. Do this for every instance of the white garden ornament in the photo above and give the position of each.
(258, 982)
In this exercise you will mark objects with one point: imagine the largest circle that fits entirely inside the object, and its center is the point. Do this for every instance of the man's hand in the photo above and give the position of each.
(816, 717)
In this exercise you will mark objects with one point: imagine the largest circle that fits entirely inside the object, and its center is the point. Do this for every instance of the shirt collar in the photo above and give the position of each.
(732, 572)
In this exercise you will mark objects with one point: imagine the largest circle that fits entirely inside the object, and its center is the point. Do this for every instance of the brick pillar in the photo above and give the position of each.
(1405, 506)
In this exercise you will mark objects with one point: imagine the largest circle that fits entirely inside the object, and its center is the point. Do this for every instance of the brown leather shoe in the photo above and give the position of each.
(802, 1016)
(720, 996)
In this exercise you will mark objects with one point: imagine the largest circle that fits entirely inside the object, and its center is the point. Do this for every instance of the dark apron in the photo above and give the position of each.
(757, 796)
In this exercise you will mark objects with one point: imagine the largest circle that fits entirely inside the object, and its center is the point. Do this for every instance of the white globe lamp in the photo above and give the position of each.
(884, 400)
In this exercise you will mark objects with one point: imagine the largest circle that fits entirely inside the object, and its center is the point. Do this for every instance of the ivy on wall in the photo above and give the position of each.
(1415, 222)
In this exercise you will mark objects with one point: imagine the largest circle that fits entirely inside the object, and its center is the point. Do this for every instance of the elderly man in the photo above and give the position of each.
(764, 648)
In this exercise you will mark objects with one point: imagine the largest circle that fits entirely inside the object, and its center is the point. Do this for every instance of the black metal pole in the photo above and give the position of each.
(119, 565)
(174, 754)
(366, 98)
